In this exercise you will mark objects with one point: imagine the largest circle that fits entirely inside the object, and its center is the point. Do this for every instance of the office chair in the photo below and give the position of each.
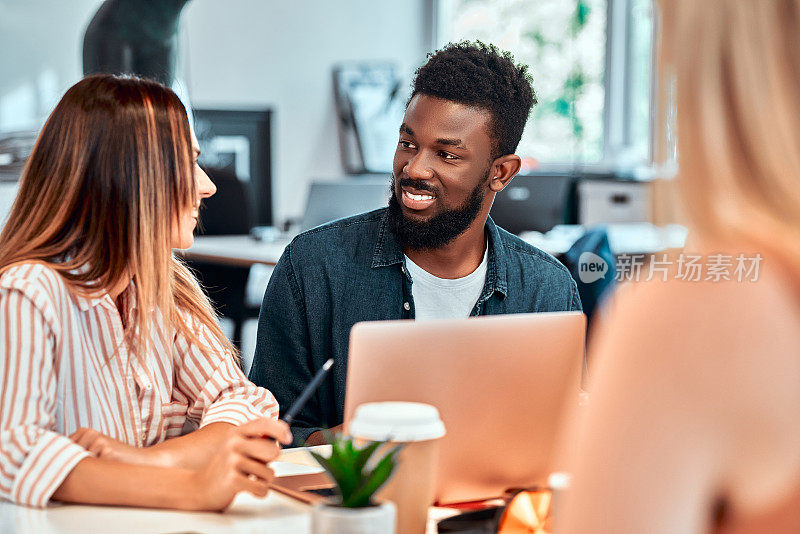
(226, 213)
(592, 294)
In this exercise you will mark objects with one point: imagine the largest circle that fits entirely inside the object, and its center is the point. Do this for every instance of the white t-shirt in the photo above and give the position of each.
(445, 298)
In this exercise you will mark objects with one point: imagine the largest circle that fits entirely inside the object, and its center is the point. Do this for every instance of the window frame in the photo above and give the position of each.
(618, 85)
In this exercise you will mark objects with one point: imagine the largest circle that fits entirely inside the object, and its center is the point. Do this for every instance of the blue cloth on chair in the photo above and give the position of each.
(592, 265)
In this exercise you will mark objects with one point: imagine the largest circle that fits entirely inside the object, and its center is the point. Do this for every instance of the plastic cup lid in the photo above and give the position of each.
(397, 421)
(559, 481)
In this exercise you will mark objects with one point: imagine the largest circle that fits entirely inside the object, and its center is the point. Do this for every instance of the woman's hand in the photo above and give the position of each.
(108, 448)
(239, 464)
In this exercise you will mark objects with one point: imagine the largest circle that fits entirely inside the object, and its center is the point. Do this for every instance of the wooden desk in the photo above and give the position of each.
(632, 238)
(275, 514)
(240, 250)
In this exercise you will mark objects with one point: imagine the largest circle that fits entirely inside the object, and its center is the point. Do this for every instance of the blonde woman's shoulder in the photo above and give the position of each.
(757, 316)
(722, 353)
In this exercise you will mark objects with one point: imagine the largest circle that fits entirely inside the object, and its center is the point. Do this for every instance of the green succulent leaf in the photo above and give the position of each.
(348, 466)
(362, 496)
(336, 443)
(345, 480)
(364, 455)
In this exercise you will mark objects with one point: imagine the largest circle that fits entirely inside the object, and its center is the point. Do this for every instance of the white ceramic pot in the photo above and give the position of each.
(327, 519)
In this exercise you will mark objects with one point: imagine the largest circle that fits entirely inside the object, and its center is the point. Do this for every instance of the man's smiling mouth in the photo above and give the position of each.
(417, 200)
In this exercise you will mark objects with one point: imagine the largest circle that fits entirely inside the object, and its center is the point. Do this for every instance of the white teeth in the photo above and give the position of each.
(418, 197)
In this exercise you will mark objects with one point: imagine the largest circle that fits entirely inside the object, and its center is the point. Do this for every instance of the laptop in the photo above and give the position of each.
(537, 202)
(500, 384)
(328, 201)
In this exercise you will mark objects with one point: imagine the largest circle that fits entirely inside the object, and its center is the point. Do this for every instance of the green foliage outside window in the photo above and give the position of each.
(564, 44)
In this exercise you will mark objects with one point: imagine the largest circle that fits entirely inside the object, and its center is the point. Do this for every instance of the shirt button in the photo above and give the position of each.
(406, 306)
(403, 269)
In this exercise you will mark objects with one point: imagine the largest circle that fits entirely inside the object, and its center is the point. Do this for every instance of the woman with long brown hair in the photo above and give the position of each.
(109, 346)
(692, 424)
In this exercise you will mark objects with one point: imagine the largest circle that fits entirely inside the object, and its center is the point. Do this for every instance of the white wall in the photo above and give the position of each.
(280, 53)
(40, 56)
(236, 53)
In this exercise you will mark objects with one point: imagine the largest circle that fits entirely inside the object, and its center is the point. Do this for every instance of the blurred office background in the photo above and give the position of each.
(297, 106)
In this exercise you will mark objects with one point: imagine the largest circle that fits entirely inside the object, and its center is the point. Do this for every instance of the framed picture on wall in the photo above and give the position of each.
(238, 140)
(370, 103)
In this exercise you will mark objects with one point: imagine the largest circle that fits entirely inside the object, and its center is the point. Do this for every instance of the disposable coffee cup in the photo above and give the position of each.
(418, 428)
(559, 484)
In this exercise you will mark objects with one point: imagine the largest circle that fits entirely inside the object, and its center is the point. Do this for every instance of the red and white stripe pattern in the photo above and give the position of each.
(64, 366)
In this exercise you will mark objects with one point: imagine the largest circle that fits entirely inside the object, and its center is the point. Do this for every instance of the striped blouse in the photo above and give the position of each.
(64, 366)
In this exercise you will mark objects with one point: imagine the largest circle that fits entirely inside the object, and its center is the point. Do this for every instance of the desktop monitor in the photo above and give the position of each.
(535, 202)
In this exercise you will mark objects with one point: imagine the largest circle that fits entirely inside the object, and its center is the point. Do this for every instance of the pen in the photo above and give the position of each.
(290, 414)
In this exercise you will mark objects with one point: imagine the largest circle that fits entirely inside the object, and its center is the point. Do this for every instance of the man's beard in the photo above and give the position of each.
(439, 230)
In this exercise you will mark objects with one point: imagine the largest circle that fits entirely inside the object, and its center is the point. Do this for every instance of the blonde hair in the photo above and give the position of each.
(109, 175)
(737, 71)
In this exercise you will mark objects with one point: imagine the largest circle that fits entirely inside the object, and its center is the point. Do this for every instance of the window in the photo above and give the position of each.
(591, 66)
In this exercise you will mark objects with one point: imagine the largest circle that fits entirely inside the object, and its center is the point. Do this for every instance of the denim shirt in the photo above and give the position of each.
(353, 270)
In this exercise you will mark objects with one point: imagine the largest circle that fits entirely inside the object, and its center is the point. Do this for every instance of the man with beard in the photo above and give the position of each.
(433, 253)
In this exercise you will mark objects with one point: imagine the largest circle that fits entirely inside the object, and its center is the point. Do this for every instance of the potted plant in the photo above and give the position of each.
(357, 476)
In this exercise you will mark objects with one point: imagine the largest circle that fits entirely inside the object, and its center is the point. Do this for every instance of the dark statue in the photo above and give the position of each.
(134, 37)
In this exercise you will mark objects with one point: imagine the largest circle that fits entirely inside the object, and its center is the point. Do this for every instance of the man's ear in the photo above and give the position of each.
(503, 170)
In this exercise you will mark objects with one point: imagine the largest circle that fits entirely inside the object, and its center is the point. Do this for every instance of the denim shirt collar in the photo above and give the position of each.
(388, 252)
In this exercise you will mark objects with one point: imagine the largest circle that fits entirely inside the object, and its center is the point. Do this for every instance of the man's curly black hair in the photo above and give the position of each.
(481, 75)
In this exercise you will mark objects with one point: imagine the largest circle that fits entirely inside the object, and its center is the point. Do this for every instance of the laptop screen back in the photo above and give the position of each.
(500, 384)
(328, 201)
